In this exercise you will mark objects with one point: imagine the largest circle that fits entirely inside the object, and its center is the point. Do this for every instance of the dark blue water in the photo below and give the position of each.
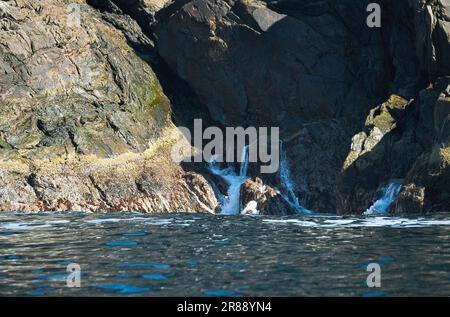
(206, 255)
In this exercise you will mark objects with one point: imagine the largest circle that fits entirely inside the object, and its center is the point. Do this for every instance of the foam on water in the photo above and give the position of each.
(315, 220)
(59, 223)
(24, 226)
(104, 220)
(393, 222)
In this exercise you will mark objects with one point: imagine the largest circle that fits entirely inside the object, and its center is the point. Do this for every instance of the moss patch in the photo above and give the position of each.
(445, 155)
(440, 157)
(381, 116)
(396, 102)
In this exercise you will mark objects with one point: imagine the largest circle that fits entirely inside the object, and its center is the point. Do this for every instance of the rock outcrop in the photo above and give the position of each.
(265, 200)
(84, 123)
(401, 140)
(316, 70)
(426, 184)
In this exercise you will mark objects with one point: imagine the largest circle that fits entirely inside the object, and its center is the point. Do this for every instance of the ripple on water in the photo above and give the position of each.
(36, 293)
(24, 226)
(126, 275)
(373, 294)
(221, 242)
(53, 276)
(123, 288)
(10, 258)
(37, 257)
(191, 262)
(220, 293)
(134, 234)
(155, 276)
(151, 265)
(8, 233)
(121, 243)
(385, 259)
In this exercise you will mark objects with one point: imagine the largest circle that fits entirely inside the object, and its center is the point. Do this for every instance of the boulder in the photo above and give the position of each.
(257, 198)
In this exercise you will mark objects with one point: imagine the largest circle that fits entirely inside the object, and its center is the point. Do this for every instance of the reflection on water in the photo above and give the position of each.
(205, 255)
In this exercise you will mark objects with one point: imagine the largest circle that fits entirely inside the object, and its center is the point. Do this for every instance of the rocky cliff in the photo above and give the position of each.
(358, 106)
(86, 125)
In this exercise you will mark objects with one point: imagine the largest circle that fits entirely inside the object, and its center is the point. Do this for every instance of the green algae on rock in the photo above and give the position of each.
(84, 123)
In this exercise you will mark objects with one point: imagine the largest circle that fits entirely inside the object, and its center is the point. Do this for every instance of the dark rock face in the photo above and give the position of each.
(426, 184)
(401, 140)
(314, 69)
(84, 124)
(269, 68)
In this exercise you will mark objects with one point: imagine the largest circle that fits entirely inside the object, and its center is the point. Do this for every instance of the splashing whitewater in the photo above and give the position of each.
(288, 185)
(231, 202)
(389, 194)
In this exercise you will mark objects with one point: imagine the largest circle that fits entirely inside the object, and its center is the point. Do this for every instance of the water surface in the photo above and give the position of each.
(205, 255)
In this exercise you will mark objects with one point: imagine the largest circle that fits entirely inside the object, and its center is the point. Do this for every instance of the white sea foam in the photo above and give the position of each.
(388, 195)
(103, 220)
(393, 222)
(24, 226)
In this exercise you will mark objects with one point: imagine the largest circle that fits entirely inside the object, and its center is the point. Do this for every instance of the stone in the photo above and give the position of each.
(257, 198)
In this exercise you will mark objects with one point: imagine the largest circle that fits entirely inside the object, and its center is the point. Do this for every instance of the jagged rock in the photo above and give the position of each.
(68, 88)
(254, 195)
(143, 11)
(410, 199)
(84, 123)
(367, 164)
(412, 143)
(380, 121)
(427, 181)
(315, 69)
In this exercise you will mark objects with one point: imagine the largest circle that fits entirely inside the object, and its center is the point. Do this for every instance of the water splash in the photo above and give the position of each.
(244, 161)
(288, 185)
(231, 204)
(251, 208)
(389, 193)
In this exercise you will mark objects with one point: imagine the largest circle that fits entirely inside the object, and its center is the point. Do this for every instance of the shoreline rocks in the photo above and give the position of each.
(85, 123)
